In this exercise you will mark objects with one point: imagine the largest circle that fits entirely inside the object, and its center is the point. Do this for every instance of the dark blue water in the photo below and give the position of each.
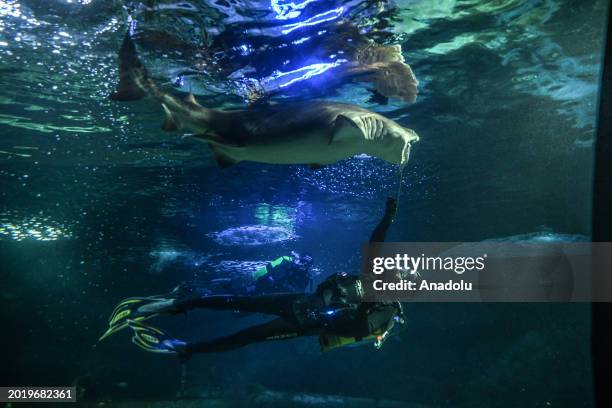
(97, 203)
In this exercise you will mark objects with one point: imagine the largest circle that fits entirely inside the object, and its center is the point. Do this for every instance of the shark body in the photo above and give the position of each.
(315, 133)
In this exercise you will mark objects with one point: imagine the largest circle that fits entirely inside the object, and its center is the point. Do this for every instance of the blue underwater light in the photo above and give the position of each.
(317, 19)
(306, 72)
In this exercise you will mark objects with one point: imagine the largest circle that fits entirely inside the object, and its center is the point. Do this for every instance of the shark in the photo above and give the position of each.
(314, 133)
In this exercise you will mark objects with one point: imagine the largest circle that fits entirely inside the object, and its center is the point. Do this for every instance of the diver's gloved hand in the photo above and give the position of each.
(142, 308)
(154, 340)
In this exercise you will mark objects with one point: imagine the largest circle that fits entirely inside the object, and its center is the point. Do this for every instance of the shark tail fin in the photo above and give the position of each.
(133, 77)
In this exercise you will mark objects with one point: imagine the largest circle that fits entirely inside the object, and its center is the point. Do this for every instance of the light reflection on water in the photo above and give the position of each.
(286, 10)
(252, 235)
(276, 214)
(542, 237)
(38, 228)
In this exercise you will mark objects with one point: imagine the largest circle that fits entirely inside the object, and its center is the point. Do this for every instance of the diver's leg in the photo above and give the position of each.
(186, 297)
(380, 232)
(277, 329)
(278, 304)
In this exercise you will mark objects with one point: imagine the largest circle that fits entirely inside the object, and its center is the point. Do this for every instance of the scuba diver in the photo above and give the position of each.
(288, 273)
(335, 312)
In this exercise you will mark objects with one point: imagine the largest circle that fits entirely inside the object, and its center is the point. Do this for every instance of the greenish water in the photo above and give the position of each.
(97, 203)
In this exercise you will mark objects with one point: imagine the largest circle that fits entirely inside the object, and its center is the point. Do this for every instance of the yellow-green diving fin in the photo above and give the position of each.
(153, 340)
(126, 309)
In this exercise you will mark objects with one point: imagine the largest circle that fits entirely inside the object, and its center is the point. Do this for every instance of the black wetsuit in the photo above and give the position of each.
(336, 308)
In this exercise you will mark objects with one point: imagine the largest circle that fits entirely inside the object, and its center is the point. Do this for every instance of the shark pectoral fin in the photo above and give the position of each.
(169, 124)
(344, 128)
(223, 161)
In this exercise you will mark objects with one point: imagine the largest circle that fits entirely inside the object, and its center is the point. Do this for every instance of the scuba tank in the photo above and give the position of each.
(329, 342)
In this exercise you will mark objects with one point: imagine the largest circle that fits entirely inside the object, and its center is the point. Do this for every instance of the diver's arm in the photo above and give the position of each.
(380, 232)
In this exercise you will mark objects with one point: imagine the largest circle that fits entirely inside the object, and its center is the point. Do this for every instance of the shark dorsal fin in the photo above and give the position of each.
(191, 99)
(170, 124)
(344, 128)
